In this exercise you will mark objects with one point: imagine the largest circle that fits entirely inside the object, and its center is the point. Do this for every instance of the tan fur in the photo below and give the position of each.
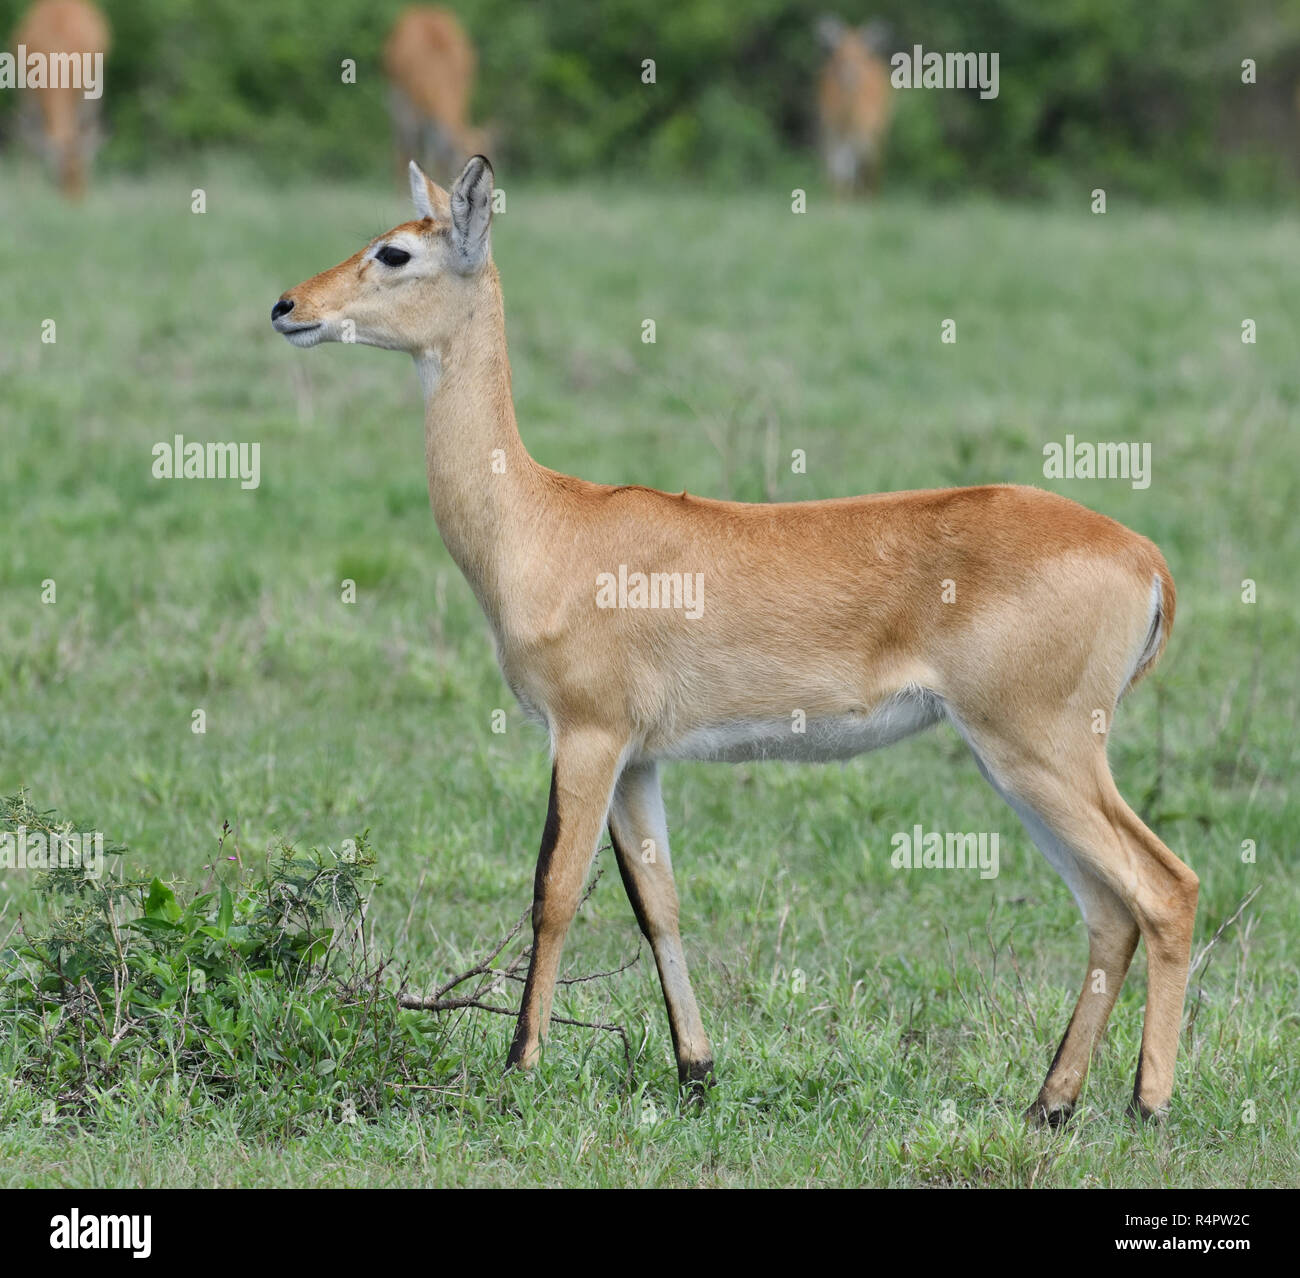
(68, 118)
(835, 609)
(430, 65)
(854, 103)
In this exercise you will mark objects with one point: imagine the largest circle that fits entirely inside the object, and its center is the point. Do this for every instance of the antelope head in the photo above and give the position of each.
(409, 289)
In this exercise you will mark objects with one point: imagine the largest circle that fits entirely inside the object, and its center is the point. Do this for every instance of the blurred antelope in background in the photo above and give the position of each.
(640, 626)
(68, 121)
(430, 63)
(853, 104)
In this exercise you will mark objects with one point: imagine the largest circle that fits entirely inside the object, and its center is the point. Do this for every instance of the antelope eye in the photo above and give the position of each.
(391, 256)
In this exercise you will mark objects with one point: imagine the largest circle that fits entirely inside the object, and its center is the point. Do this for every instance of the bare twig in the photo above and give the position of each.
(443, 1000)
(1223, 927)
(415, 1003)
(484, 965)
(595, 976)
(609, 1029)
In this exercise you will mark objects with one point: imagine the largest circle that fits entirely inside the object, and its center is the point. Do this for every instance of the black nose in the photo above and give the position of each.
(282, 307)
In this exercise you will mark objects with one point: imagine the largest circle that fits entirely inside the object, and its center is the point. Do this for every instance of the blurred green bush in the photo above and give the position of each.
(1138, 94)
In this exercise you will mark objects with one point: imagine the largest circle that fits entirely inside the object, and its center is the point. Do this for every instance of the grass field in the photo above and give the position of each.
(929, 1003)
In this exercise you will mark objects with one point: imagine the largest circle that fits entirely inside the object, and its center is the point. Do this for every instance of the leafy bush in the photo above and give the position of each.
(257, 992)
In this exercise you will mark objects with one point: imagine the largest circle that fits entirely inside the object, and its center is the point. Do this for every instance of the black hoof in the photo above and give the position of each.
(695, 1078)
(1042, 1114)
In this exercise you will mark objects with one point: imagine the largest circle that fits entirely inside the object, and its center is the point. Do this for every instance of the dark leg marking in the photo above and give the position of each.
(629, 884)
(643, 922)
(550, 836)
(694, 1076)
(1136, 1108)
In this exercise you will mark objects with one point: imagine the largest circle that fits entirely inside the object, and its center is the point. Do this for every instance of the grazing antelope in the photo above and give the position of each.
(430, 63)
(63, 31)
(853, 105)
(744, 622)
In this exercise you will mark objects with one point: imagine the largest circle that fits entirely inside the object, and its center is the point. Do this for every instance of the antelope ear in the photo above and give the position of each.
(471, 214)
(877, 35)
(429, 198)
(830, 31)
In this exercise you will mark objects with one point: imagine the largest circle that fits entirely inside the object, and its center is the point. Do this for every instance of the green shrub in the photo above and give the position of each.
(256, 997)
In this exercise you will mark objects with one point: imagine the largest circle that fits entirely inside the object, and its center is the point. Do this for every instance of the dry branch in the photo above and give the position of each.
(493, 979)
(1222, 928)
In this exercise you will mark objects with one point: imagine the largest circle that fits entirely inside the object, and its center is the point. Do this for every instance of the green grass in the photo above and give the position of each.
(933, 1002)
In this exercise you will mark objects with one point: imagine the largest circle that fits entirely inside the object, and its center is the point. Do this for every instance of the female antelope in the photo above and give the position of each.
(70, 34)
(429, 62)
(829, 614)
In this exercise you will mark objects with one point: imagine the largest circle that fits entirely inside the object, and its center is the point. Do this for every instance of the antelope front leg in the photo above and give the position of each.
(582, 781)
(640, 835)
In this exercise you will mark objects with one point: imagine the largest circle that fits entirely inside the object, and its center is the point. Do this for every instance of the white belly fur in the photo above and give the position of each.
(824, 738)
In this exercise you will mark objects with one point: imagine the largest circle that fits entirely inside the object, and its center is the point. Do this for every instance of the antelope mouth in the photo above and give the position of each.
(300, 334)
